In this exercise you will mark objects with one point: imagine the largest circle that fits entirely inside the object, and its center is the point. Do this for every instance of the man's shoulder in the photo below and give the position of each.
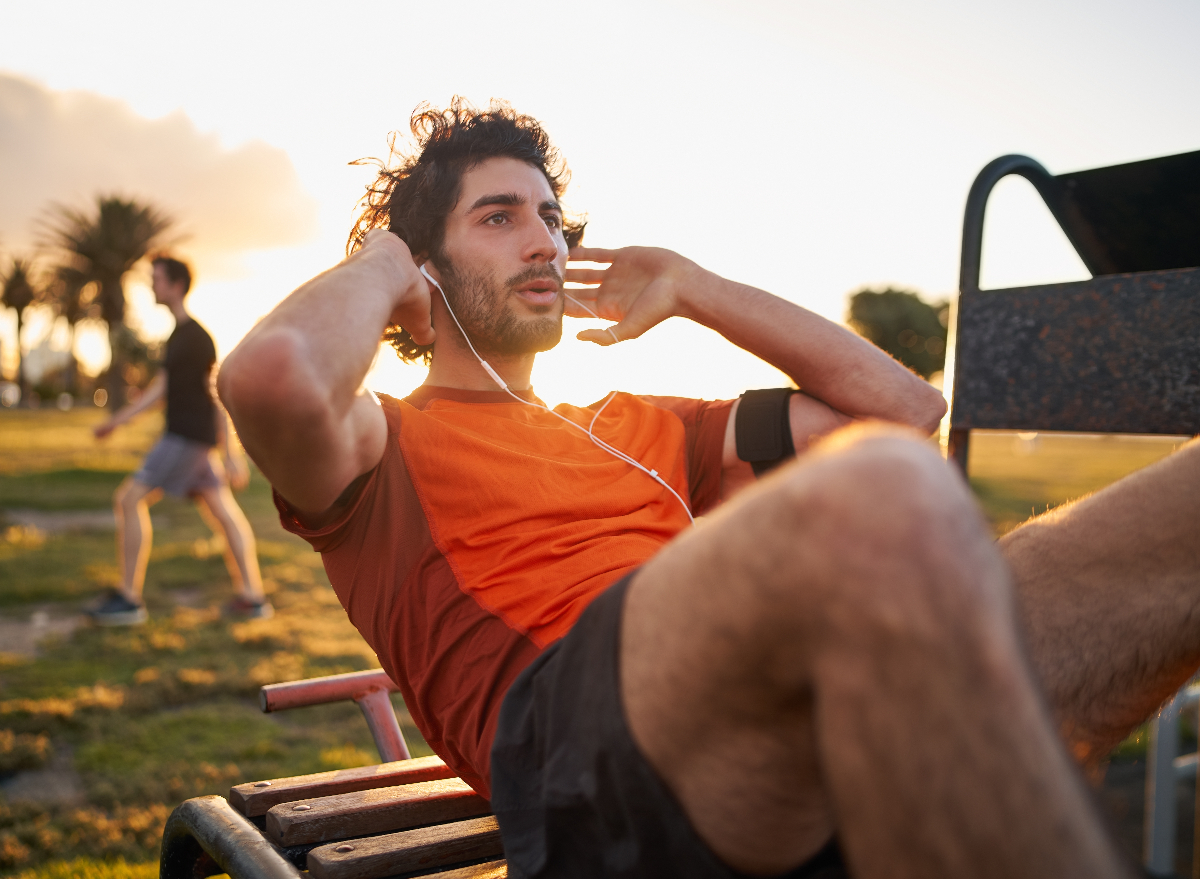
(197, 329)
(192, 333)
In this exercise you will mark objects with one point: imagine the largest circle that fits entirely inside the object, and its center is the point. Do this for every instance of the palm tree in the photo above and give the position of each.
(18, 294)
(102, 247)
(68, 294)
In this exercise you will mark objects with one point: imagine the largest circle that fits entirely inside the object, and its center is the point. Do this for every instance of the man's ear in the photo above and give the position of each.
(430, 266)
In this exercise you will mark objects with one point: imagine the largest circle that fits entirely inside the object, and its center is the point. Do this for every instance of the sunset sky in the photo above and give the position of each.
(809, 148)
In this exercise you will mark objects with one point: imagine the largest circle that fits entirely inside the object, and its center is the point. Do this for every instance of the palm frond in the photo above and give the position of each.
(104, 245)
(20, 286)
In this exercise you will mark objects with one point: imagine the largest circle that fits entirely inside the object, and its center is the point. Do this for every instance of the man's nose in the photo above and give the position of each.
(541, 244)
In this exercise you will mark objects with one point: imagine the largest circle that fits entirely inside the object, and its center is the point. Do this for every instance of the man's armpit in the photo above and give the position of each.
(345, 500)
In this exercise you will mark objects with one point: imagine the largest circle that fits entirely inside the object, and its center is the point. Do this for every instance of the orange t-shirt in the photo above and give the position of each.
(489, 525)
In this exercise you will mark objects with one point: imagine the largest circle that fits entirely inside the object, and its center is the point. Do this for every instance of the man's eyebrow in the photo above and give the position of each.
(495, 198)
(512, 199)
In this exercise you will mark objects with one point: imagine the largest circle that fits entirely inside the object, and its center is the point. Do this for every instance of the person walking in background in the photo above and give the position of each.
(183, 463)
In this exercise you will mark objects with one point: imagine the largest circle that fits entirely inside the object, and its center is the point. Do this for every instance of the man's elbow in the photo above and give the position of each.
(261, 379)
(927, 408)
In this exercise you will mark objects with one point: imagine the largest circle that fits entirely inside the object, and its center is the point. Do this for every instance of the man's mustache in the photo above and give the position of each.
(537, 273)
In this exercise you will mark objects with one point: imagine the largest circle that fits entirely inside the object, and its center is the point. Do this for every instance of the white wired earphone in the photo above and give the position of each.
(612, 450)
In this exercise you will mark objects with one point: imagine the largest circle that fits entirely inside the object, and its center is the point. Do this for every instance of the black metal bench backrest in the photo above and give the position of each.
(1119, 353)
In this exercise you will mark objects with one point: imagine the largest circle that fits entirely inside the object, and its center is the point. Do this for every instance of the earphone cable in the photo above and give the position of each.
(601, 444)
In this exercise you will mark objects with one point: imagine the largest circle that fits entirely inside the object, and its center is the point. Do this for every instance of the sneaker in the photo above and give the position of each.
(244, 608)
(117, 610)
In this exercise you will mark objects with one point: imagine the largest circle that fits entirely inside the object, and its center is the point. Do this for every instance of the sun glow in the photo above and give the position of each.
(806, 149)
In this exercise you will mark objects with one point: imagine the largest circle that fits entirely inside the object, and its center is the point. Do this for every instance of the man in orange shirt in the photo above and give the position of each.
(838, 670)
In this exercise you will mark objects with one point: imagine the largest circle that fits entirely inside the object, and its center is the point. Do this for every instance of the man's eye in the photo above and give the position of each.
(553, 221)
(496, 219)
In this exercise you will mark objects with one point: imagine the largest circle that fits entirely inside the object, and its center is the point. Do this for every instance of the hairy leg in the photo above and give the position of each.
(1108, 596)
(224, 516)
(837, 651)
(131, 506)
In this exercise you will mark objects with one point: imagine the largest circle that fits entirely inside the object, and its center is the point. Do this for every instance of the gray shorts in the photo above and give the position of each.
(181, 466)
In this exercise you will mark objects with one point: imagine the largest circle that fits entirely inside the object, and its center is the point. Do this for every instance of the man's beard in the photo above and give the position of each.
(483, 308)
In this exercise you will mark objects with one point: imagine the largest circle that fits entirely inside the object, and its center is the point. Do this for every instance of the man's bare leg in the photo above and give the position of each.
(838, 650)
(131, 507)
(1108, 596)
(225, 517)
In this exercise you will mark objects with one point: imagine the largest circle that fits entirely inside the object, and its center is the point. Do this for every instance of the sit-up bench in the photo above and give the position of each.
(400, 818)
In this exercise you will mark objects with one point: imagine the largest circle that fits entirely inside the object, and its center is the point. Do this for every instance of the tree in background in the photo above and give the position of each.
(904, 325)
(20, 291)
(102, 247)
(71, 295)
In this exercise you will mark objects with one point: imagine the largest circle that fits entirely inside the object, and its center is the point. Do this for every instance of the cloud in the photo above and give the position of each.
(67, 147)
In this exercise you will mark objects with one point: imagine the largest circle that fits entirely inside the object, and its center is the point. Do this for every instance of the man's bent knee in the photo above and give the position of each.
(729, 630)
(872, 537)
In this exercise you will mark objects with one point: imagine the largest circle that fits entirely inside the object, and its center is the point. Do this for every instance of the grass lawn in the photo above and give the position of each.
(1016, 476)
(144, 718)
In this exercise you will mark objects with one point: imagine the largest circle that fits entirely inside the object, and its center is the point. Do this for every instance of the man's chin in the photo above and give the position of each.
(527, 337)
(536, 343)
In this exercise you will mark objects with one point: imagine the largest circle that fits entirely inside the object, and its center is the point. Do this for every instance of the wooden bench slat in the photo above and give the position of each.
(256, 798)
(408, 850)
(373, 811)
(490, 870)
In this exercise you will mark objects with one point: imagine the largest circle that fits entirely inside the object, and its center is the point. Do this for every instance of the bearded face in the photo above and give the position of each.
(484, 306)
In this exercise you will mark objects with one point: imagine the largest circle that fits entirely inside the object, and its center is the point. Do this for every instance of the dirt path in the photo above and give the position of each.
(22, 635)
(60, 521)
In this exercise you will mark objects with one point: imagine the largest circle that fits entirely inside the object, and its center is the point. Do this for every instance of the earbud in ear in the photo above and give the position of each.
(429, 277)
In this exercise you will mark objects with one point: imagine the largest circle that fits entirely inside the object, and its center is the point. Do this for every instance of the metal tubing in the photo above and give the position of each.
(385, 730)
(1189, 693)
(205, 836)
(369, 689)
(1160, 790)
(992, 173)
(318, 691)
(958, 446)
(971, 257)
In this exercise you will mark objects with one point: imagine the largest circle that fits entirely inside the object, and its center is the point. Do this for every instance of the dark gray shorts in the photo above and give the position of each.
(574, 797)
(181, 467)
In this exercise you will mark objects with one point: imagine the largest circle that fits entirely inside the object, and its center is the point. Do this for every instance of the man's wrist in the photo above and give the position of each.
(385, 267)
(702, 296)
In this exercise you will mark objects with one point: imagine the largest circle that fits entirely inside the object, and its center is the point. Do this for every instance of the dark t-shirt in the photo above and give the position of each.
(189, 361)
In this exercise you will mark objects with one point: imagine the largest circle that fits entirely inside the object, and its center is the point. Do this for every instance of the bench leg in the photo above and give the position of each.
(1159, 854)
(205, 837)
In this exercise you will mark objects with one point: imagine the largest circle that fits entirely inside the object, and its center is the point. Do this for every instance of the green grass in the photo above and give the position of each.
(39, 440)
(1016, 476)
(71, 489)
(154, 714)
(91, 868)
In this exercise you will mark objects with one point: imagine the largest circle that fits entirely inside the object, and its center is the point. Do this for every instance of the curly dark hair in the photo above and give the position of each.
(417, 188)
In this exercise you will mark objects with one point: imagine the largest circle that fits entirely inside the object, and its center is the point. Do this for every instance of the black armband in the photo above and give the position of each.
(763, 429)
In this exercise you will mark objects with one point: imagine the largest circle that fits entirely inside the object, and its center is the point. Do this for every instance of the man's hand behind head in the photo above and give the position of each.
(640, 288)
(391, 256)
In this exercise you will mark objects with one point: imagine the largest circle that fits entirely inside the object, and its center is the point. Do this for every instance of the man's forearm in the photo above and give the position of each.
(328, 331)
(150, 396)
(293, 386)
(826, 360)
